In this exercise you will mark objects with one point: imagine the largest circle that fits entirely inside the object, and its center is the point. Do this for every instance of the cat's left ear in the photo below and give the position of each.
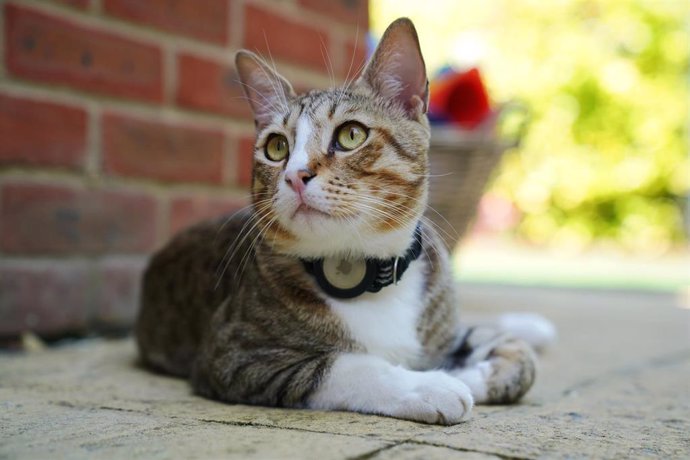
(396, 71)
(268, 92)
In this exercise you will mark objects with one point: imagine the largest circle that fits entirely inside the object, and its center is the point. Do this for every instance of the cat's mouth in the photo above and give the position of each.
(305, 210)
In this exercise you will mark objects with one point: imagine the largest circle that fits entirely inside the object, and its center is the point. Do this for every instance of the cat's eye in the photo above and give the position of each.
(277, 147)
(350, 135)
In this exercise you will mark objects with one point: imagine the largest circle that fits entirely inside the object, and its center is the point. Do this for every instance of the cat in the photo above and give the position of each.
(332, 291)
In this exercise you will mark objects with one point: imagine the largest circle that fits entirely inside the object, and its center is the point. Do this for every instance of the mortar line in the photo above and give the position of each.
(170, 77)
(235, 24)
(375, 452)
(68, 178)
(93, 164)
(96, 7)
(265, 425)
(40, 91)
(229, 423)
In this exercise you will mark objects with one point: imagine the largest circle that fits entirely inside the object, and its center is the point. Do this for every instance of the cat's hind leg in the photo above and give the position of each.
(497, 367)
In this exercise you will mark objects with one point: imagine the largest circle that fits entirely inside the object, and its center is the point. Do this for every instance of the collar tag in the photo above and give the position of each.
(345, 278)
(344, 273)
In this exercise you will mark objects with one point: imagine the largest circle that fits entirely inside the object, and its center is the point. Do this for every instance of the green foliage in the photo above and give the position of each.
(606, 155)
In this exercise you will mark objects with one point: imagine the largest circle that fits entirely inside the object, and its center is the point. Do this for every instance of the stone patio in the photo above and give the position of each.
(616, 385)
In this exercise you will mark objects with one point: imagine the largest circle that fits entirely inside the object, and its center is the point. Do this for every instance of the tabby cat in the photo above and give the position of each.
(332, 292)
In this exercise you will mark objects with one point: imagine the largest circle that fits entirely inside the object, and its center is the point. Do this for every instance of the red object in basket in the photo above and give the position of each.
(459, 97)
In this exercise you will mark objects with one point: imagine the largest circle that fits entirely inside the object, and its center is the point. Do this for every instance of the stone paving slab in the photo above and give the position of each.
(616, 385)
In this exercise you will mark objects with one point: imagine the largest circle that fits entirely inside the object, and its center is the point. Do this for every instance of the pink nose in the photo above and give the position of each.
(298, 179)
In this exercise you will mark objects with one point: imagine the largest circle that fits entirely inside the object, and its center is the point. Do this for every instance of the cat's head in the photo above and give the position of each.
(342, 170)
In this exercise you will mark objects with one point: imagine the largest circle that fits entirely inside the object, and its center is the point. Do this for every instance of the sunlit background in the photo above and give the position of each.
(123, 122)
(597, 193)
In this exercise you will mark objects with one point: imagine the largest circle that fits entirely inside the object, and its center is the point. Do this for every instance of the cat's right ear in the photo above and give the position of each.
(396, 71)
(268, 92)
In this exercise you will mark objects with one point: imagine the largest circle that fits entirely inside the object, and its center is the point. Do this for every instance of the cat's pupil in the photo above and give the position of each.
(352, 134)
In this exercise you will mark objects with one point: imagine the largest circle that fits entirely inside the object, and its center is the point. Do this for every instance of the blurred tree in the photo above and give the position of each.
(606, 156)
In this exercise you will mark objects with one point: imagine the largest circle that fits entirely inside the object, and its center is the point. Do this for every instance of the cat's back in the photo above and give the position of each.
(181, 290)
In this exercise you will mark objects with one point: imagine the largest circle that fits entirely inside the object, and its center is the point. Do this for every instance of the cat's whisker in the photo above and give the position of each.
(265, 105)
(275, 71)
(327, 61)
(250, 250)
(260, 218)
(400, 206)
(451, 173)
(251, 218)
(424, 248)
(227, 264)
(434, 224)
(438, 228)
(346, 85)
(236, 212)
(404, 208)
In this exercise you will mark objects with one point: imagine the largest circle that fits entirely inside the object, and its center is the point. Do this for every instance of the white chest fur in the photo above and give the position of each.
(385, 323)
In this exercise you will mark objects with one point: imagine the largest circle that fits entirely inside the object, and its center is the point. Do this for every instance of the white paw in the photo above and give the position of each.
(530, 327)
(475, 377)
(369, 384)
(434, 397)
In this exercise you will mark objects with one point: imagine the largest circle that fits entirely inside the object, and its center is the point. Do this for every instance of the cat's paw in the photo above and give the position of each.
(369, 384)
(434, 397)
(534, 329)
(476, 378)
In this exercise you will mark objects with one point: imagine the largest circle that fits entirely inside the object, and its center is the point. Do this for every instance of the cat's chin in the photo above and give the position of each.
(318, 236)
(306, 212)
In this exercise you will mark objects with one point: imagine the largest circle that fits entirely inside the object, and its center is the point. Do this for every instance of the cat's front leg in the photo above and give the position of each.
(369, 384)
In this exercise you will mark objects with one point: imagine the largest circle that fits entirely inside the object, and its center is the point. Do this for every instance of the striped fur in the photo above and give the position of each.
(229, 305)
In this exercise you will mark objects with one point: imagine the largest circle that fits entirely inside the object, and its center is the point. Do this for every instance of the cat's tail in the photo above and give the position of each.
(534, 329)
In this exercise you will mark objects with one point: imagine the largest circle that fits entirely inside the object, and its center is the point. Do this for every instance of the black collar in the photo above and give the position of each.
(375, 273)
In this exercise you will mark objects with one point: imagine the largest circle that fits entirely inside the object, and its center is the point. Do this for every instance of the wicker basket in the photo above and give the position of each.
(461, 164)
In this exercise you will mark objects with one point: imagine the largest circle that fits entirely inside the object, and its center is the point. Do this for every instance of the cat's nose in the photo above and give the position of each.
(298, 179)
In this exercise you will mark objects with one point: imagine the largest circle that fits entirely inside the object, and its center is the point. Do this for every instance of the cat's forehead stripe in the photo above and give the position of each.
(312, 101)
(299, 157)
(331, 111)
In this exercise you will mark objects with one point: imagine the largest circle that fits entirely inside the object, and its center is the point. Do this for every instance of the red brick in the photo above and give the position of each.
(52, 50)
(185, 211)
(210, 86)
(81, 4)
(50, 298)
(141, 148)
(245, 161)
(205, 20)
(355, 12)
(287, 39)
(56, 219)
(117, 299)
(41, 133)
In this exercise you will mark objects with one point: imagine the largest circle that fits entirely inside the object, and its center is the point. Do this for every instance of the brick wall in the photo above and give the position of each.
(121, 122)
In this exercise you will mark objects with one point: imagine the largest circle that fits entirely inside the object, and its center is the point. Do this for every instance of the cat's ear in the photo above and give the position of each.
(267, 91)
(396, 71)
